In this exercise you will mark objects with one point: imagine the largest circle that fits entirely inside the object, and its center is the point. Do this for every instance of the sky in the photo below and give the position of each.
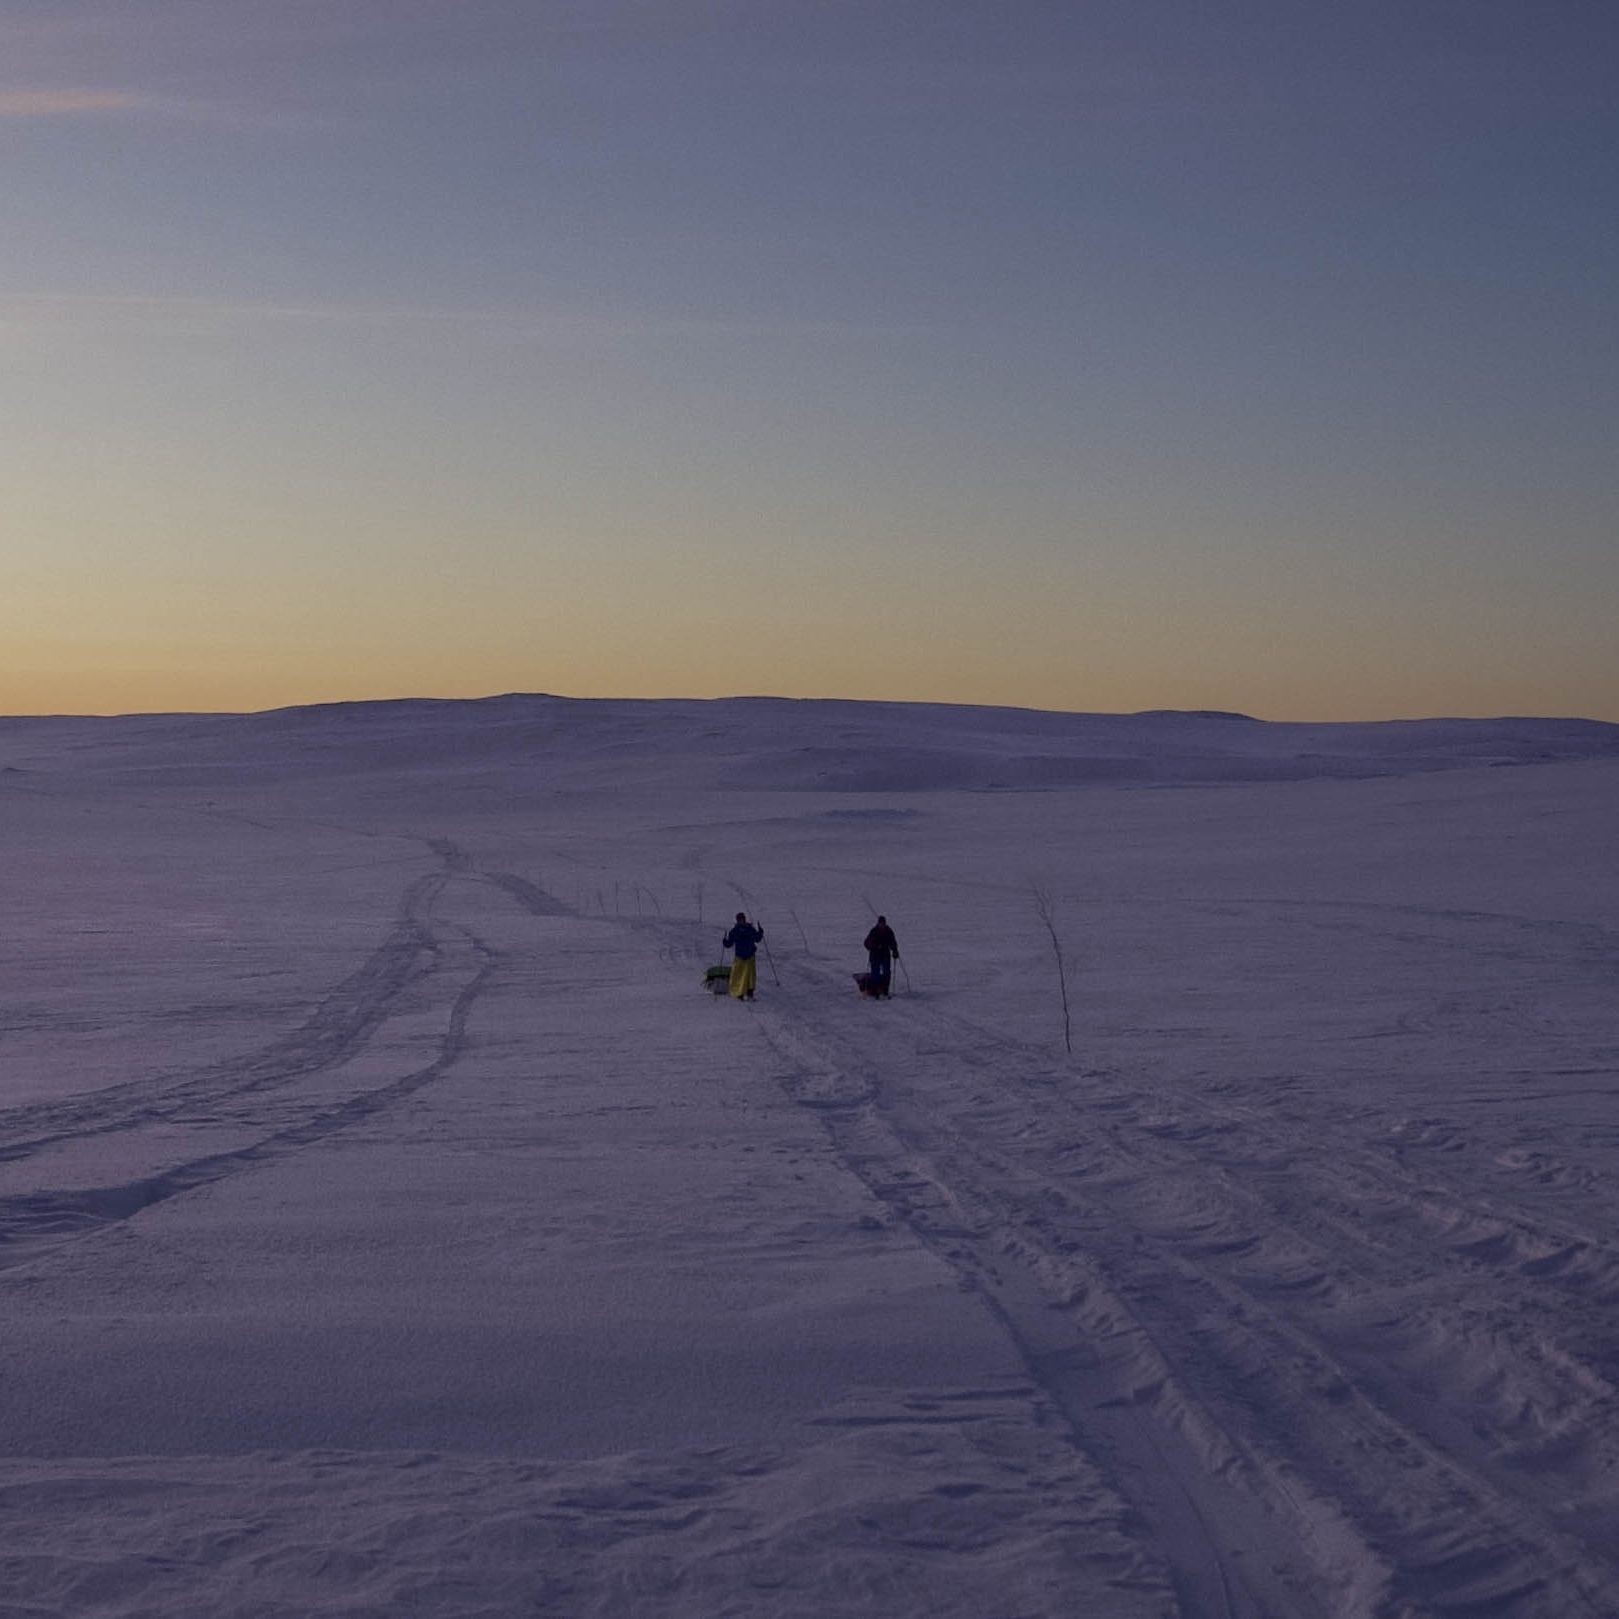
(1096, 355)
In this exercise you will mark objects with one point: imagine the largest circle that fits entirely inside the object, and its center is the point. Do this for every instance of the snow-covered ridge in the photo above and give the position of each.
(783, 744)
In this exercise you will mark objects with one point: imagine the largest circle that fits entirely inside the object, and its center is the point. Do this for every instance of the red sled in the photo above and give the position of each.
(868, 987)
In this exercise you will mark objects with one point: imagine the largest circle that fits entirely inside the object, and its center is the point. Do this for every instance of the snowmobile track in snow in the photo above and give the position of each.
(1173, 1288)
(338, 1027)
(415, 952)
(46, 1218)
(1201, 1523)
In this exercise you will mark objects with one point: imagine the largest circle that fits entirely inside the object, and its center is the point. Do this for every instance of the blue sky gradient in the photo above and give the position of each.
(1088, 356)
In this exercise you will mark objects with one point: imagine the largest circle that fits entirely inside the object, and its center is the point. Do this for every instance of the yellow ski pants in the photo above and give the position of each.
(744, 975)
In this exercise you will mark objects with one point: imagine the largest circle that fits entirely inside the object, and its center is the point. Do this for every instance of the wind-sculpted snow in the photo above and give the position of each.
(390, 1224)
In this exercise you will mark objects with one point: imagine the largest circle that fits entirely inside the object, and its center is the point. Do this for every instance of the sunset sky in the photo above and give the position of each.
(1081, 355)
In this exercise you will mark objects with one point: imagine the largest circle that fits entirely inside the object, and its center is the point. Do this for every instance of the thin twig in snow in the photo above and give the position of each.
(1046, 910)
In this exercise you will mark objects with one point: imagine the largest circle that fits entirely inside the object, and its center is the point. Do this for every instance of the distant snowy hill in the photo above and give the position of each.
(777, 743)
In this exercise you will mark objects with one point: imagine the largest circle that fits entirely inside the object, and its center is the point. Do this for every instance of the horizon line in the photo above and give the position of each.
(1155, 711)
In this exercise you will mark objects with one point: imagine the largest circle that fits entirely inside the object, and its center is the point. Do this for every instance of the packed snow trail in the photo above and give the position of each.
(1222, 1324)
(420, 967)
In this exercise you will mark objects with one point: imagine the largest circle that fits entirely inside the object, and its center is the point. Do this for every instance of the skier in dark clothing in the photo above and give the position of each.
(882, 950)
(744, 939)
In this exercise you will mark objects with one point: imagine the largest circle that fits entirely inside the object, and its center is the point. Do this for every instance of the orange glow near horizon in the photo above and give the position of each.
(600, 359)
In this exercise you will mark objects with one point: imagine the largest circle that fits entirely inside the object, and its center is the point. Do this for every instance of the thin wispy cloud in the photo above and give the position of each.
(184, 315)
(70, 103)
(66, 104)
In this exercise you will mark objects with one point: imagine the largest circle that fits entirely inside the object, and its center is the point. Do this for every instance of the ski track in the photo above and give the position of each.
(339, 1026)
(1227, 1329)
(418, 952)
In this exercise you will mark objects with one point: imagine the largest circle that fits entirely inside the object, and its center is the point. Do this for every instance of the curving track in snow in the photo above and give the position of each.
(1250, 1337)
(296, 1090)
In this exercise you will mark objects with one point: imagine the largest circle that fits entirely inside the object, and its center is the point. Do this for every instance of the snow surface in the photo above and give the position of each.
(389, 1224)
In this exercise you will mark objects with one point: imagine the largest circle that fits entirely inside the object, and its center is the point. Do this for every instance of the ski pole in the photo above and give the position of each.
(774, 976)
(900, 960)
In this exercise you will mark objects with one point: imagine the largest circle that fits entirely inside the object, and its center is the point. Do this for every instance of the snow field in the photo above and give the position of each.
(437, 1246)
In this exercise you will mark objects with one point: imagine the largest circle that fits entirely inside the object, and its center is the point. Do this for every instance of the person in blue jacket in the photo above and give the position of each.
(744, 939)
(881, 950)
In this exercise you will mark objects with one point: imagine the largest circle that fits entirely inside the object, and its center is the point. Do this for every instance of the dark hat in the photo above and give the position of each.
(741, 916)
